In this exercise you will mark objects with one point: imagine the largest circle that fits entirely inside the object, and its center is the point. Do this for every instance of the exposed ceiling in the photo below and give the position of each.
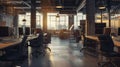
(114, 5)
(66, 5)
(25, 5)
(18, 5)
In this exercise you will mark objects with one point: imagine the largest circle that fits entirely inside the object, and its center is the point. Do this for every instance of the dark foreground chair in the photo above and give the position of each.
(14, 54)
(90, 46)
(107, 51)
(39, 44)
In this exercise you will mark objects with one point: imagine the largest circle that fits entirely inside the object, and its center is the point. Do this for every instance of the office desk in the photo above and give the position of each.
(8, 41)
(7, 44)
(116, 43)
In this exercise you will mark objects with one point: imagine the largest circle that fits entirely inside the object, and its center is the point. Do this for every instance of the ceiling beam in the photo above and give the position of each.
(18, 2)
(26, 7)
(83, 3)
(26, 4)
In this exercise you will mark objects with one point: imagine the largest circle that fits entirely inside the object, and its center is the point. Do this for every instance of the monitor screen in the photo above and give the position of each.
(119, 31)
(99, 28)
(4, 31)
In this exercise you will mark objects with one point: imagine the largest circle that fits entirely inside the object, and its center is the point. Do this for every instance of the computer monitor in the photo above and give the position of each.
(4, 31)
(99, 28)
(119, 31)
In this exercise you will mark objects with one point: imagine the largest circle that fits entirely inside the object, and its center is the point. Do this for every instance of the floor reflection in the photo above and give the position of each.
(63, 54)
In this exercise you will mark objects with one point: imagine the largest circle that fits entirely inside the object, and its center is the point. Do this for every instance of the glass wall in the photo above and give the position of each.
(77, 18)
(57, 23)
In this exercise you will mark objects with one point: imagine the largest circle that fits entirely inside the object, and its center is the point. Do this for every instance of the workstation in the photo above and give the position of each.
(71, 33)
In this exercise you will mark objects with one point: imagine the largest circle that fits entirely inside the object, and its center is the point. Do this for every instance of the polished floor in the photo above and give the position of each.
(64, 53)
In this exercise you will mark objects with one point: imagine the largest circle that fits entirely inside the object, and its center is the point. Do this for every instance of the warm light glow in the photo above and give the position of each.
(59, 6)
(27, 19)
(102, 7)
(57, 23)
(77, 18)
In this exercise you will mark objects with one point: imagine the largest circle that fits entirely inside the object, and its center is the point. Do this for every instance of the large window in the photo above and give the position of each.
(20, 20)
(57, 23)
(77, 19)
(39, 20)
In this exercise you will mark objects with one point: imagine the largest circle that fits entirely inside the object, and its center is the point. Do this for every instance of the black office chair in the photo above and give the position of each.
(37, 46)
(89, 45)
(23, 46)
(107, 50)
(14, 53)
(46, 41)
(84, 44)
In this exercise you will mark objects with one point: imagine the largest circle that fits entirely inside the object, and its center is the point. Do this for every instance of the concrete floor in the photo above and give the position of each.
(64, 53)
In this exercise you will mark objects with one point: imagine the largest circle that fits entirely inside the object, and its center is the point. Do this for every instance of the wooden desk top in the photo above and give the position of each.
(8, 41)
(117, 43)
(7, 44)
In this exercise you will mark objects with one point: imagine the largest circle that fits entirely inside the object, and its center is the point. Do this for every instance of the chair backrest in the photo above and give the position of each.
(106, 43)
(23, 43)
(24, 40)
(37, 42)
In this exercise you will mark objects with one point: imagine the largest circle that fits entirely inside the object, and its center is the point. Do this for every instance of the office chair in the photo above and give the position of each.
(37, 49)
(46, 41)
(14, 53)
(84, 44)
(89, 44)
(107, 51)
(37, 45)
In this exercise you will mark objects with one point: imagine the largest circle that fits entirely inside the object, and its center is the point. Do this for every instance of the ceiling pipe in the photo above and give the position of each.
(26, 7)
(36, 1)
(81, 5)
(26, 4)
(14, 2)
(18, 2)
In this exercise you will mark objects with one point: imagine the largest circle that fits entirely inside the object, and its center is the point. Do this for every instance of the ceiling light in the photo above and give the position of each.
(59, 6)
(102, 7)
(57, 16)
(24, 20)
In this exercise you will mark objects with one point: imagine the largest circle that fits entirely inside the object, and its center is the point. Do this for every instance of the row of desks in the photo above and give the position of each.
(116, 43)
(8, 41)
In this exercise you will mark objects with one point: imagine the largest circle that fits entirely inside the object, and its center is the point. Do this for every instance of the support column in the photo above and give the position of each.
(33, 15)
(44, 10)
(71, 20)
(109, 14)
(15, 26)
(90, 12)
(45, 21)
